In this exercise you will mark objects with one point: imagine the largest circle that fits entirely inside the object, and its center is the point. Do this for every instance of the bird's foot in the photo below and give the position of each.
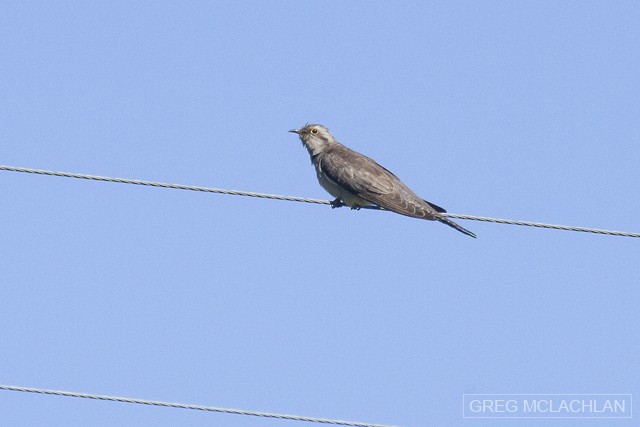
(355, 208)
(337, 203)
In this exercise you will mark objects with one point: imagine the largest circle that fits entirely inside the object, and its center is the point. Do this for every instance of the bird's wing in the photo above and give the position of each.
(355, 172)
(363, 176)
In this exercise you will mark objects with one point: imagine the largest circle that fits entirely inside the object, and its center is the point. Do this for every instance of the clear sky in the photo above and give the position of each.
(525, 110)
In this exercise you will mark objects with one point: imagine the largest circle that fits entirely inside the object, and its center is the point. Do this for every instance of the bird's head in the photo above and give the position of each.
(316, 138)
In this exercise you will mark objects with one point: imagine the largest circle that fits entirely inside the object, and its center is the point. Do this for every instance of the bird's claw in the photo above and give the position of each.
(337, 203)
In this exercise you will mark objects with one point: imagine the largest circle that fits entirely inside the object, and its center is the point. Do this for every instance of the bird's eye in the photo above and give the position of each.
(314, 131)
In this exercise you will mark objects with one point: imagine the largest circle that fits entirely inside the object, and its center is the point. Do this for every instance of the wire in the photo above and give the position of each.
(163, 185)
(188, 406)
(306, 200)
(543, 225)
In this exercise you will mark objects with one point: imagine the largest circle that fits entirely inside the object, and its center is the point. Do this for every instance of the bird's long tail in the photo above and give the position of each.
(452, 224)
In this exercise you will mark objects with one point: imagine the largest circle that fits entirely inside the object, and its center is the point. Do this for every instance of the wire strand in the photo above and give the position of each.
(164, 185)
(189, 406)
(307, 200)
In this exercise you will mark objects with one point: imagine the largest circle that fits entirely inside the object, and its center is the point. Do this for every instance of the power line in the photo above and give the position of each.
(164, 185)
(543, 225)
(189, 406)
(306, 200)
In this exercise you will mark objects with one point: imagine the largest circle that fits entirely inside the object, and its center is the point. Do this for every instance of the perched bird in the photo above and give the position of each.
(357, 181)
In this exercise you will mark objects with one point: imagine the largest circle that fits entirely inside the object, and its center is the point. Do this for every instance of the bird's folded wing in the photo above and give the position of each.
(372, 182)
(357, 173)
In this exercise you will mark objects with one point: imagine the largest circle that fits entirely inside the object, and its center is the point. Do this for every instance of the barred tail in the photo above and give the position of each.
(456, 226)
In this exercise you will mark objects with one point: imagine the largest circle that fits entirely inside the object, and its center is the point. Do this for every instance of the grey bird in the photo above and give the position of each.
(357, 181)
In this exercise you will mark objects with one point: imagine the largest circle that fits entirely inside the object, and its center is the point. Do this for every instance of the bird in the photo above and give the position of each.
(357, 181)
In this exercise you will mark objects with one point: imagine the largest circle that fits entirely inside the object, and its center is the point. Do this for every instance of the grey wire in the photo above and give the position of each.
(164, 185)
(543, 225)
(306, 200)
(188, 406)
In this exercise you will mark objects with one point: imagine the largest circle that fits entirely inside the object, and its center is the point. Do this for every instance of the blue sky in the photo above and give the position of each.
(522, 110)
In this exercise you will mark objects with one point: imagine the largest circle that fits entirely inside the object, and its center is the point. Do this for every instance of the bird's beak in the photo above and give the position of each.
(295, 131)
